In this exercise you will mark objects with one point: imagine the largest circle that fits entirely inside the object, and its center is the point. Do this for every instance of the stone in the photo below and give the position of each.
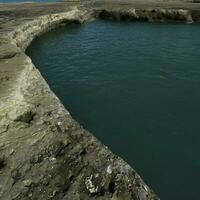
(27, 183)
(90, 186)
(8, 51)
(109, 169)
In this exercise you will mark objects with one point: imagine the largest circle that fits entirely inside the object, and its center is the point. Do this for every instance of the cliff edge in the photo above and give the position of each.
(44, 153)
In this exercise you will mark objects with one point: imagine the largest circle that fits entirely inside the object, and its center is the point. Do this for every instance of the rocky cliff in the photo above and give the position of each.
(44, 153)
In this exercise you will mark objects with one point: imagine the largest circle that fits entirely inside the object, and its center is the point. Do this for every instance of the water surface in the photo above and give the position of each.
(136, 87)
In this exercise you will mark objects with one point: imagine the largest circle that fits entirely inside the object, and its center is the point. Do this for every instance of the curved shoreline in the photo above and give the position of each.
(45, 153)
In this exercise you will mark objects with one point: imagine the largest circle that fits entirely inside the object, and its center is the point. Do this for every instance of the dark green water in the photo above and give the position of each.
(136, 86)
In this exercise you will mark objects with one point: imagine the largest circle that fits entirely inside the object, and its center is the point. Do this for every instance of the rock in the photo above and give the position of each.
(59, 157)
(16, 175)
(27, 183)
(90, 186)
(26, 117)
(109, 169)
(8, 51)
(36, 159)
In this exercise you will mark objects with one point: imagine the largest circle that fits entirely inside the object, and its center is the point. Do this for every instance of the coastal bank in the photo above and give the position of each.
(44, 153)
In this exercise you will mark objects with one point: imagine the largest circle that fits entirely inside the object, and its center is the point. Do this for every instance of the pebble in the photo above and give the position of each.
(27, 183)
(109, 169)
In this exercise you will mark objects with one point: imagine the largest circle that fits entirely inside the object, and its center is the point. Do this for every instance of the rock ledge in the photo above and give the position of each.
(44, 153)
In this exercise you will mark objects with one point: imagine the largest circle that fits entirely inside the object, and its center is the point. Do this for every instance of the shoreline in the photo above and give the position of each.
(44, 152)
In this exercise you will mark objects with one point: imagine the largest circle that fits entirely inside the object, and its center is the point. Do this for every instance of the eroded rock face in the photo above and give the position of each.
(146, 15)
(44, 153)
(151, 11)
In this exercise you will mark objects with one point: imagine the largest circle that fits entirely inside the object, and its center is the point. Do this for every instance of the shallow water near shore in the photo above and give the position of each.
(135, 86)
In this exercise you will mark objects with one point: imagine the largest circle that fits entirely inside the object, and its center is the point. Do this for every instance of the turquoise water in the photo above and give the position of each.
(136, 87)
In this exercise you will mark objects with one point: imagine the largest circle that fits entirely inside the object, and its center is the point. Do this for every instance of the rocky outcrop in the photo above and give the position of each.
(151, 11)
(44, 153)
(150, 15)
(22, 35)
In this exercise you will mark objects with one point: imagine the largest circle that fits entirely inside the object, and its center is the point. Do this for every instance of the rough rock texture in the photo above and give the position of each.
(146, 15)
(152, 11)
(44, 153)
